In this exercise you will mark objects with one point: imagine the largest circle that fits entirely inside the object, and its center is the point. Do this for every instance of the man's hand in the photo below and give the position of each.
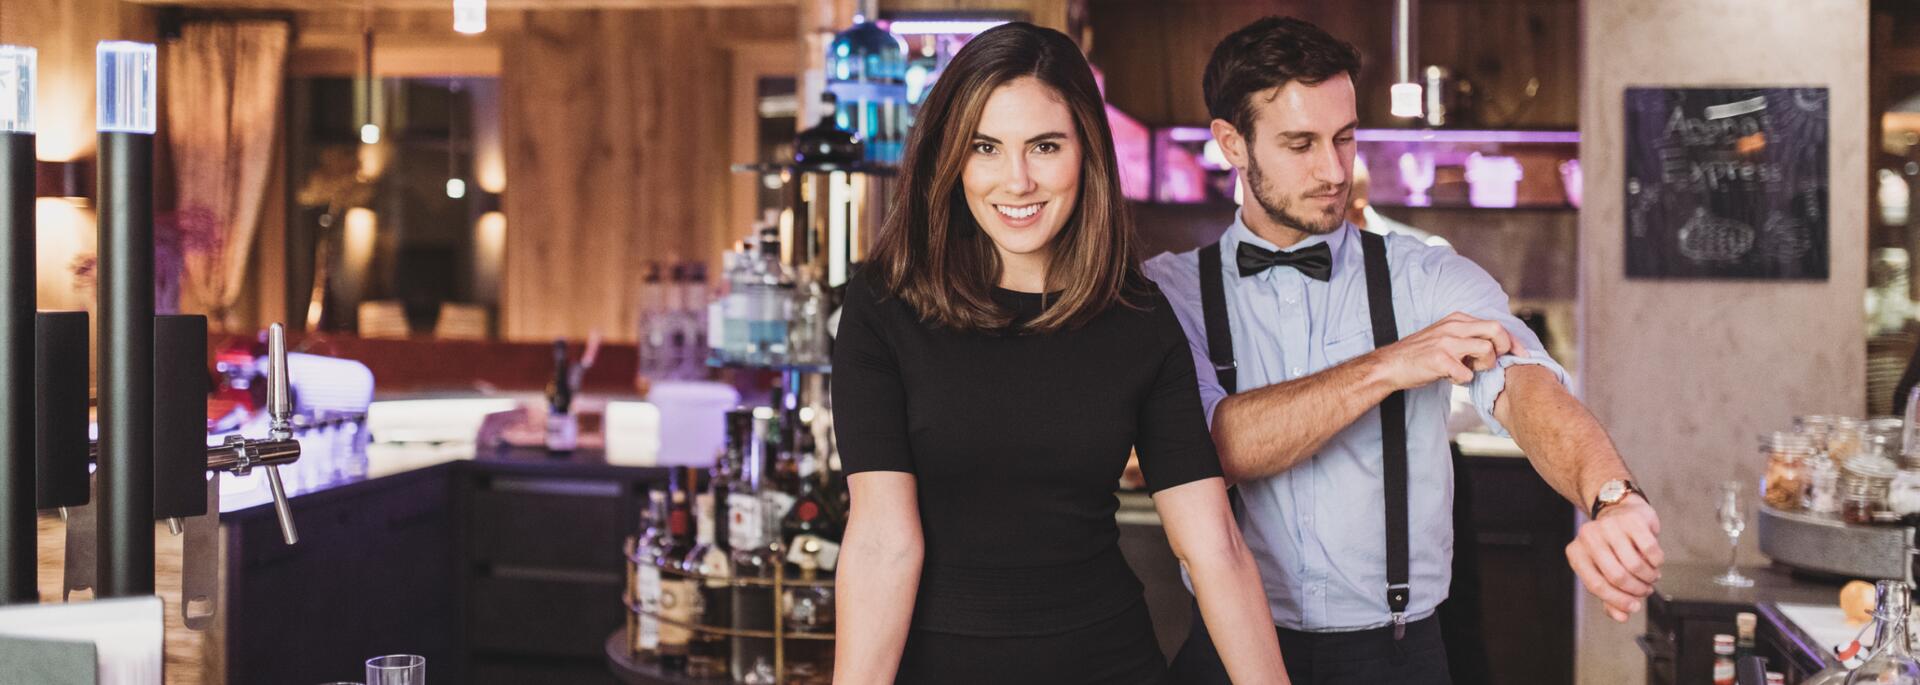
(1453, 348)
(1618, 557)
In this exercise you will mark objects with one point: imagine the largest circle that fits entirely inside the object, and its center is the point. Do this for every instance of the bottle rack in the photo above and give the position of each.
(778, 585)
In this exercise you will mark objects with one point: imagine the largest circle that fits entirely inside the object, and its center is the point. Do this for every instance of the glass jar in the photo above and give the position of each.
(1903, 496)
(1823, 489)
(1845, 439)
(1816, 425)
(1784, 487)
(1890, 426)
(1864, 485)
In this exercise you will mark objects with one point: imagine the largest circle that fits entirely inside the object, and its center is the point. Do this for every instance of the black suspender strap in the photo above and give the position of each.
(1393, 431)
(1213, 308)
(1393, 410)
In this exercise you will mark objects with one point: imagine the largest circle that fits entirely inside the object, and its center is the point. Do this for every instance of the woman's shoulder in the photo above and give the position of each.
(866, 287)
(1145, 310)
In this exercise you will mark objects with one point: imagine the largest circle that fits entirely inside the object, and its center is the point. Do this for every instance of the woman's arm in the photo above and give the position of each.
(877, 578)
(1201, 529)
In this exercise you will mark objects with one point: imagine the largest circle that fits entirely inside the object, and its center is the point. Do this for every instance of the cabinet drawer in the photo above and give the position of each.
(549, 522)
(545, 613)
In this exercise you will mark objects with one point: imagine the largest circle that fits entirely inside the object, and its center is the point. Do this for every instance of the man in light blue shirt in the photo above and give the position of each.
(1303, 436)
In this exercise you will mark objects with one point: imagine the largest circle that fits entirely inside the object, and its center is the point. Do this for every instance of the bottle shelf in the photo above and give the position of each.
(823, 367)
(725, 631)
(869, 168)
(826, 583)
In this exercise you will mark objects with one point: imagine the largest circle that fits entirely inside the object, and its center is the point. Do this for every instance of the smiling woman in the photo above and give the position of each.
(1010, 181)
(992, 371)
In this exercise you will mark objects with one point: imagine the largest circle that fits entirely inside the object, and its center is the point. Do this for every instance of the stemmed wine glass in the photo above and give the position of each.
(1733, 521)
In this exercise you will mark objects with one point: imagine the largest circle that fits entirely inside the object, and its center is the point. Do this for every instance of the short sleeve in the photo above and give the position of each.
(869, 402)
(1178, 276)
(1173, 441)
(1459, 285)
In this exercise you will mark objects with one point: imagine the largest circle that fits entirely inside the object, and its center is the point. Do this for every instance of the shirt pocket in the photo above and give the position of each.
(1347, 345)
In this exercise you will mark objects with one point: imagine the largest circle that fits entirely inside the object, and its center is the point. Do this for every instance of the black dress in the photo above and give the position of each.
(1017, 442)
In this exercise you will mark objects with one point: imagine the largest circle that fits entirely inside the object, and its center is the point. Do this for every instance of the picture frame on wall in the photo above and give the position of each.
(1727, 183)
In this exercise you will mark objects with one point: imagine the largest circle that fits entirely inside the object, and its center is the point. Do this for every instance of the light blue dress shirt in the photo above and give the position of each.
(1318, 529)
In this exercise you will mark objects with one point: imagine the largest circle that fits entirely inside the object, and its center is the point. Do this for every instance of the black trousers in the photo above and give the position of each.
(1117, 651)
(1364, 657)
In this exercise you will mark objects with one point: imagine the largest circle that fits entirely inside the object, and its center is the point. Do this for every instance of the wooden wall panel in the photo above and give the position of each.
(1154, 51)
(1049, 13)
(617, 154)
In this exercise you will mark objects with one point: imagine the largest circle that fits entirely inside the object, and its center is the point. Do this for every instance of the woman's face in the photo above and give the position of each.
(1022, 174)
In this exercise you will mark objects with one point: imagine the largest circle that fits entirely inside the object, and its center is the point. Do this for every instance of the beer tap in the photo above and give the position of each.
(240, 455)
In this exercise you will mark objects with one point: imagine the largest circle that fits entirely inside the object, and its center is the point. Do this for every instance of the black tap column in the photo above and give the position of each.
(126, 321)
(18, 556)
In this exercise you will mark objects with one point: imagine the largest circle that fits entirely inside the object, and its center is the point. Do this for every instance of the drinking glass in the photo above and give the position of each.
(1733, 522)
(397, 669)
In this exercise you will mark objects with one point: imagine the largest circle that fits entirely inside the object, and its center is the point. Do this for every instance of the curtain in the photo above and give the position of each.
(224, 82)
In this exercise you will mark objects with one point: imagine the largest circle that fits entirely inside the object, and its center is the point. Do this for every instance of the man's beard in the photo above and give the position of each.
(1280, 208)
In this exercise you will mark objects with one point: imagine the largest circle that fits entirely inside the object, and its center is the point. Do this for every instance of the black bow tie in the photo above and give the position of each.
(1315, 261)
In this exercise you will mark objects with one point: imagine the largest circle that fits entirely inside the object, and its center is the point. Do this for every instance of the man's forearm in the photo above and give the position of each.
(1266, 431)
(1566, 444)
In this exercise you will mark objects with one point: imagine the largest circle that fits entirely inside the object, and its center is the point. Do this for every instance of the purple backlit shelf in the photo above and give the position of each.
(1445, 168)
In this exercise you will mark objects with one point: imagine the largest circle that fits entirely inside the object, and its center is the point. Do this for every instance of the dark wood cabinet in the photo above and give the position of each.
(1687, 609)
(1512, 587)
(497, 571)
(369, 577)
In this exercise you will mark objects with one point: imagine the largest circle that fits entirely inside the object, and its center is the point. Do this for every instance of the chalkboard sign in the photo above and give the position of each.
(1727, 183)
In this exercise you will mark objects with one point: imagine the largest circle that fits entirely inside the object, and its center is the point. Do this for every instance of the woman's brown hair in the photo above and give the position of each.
(934, 255)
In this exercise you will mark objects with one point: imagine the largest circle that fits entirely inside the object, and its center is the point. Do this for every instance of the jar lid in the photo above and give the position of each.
(1871, 468)
(1813, 422)
(1787, 441)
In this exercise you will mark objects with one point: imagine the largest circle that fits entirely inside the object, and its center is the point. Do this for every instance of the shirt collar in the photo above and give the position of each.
(1239, 233)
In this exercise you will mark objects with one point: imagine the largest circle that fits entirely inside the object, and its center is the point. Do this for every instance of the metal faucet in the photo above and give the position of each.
(239, 456)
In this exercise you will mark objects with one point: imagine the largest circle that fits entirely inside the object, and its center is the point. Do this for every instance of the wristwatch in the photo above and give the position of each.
(1611, 492)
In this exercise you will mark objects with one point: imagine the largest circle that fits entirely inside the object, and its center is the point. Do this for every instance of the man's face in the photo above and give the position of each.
(1297, 162)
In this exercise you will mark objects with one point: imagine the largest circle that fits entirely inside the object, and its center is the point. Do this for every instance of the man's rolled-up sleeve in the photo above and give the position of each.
(1459, 285)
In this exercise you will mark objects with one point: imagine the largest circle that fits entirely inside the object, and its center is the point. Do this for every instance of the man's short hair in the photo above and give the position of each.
(1270, 53)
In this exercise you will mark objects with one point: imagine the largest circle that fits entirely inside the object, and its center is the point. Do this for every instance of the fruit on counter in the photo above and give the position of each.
(1856, 601)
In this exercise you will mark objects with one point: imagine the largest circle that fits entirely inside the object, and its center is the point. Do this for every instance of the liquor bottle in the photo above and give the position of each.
(721, 320)
(563, 428)
(826, 144)
(677, 591)
(692, 318)
(754, 539)
(809, 343)
(783, 470)
(727, 468)
(808, 611)
(630, 551)
(1743, 640)
(654, 354)
(814, 514)
(708, 561)
(646, 561)
(867, 67)
(770, 299)
(1723, 666)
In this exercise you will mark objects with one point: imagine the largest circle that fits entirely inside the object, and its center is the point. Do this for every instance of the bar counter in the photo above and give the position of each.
(1687, 609)
(495, 564)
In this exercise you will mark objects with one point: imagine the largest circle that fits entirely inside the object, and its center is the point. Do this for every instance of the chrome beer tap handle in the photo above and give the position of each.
(280, 426)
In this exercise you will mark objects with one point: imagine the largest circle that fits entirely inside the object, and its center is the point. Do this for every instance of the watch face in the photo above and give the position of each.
(1612, 491)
